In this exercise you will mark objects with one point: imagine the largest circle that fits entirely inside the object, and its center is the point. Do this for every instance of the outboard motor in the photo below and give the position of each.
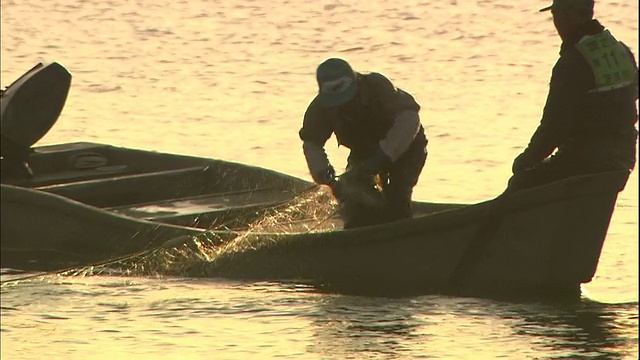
(29, 107)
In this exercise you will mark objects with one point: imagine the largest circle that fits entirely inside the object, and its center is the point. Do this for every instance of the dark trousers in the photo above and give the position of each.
(402, 178)
(397, 188)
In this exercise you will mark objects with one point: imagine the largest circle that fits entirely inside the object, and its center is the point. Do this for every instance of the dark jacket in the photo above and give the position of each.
(362, 126)
(584, 119)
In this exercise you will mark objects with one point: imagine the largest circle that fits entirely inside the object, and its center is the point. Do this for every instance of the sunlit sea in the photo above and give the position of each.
(231, 80)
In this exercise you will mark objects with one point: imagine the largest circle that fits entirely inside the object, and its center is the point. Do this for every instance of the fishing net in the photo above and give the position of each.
(311, 211)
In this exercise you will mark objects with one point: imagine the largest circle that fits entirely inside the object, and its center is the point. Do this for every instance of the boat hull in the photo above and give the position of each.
(42, 231)
(92, 202)
(80, 204)
(548, 243)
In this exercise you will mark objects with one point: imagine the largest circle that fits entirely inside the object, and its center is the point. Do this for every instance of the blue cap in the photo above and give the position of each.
(337, 82)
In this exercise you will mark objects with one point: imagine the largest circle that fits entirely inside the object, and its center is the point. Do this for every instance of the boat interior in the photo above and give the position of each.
(151, 185)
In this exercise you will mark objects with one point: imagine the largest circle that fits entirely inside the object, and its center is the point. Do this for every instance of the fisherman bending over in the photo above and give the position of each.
(380, 125)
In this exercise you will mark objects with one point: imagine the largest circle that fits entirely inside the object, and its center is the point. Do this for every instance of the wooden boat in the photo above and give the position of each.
(542, 242)
(87, 202)
(84, 202)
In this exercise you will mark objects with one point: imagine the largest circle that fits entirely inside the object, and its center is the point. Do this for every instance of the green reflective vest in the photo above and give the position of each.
(609, 61)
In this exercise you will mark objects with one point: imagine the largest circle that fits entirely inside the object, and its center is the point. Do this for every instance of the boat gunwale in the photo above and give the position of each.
(467, 214)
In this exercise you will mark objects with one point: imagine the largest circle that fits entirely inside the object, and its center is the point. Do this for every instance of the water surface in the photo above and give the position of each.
(232, 79)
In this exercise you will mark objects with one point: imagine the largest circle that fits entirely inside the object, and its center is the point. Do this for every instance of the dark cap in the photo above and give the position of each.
(336, 82)
(580, 5)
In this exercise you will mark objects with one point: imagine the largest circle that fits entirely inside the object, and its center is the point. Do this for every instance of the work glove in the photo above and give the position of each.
(326, 176)
(523, 162)
(351, 185)
(376, 164)
(356, 190)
